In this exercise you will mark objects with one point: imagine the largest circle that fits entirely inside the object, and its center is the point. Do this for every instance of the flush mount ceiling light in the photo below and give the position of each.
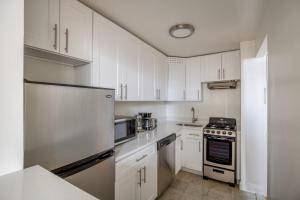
(181, 30)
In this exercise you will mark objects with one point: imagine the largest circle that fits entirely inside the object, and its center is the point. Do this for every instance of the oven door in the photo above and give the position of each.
(219, 152)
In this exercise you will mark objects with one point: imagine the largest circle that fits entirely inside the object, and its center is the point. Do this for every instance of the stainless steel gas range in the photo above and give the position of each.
(219, 149)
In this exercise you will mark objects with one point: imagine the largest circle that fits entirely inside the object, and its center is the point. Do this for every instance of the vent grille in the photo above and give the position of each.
(174, 60)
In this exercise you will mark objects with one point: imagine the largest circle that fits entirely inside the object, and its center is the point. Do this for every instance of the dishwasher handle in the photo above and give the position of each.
(166, 141)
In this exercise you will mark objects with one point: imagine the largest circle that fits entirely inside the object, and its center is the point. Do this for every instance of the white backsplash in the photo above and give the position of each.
(158, 109)
(215, 103)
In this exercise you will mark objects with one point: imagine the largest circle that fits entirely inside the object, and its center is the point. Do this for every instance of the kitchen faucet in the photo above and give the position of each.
(194, 119)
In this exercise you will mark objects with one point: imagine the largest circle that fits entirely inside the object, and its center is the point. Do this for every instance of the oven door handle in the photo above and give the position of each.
(220, 138)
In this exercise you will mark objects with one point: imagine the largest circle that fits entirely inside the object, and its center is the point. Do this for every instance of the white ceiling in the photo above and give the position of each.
(220, 24)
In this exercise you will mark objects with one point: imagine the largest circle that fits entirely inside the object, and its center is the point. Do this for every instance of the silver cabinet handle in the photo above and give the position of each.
(198, 94)
(145, 175)
(140, 177)
(265, 95)
(194, 134)
(55, 36)
(223, 73)
(181, 144)
(184, 95)
(121, 92)
(199, 146)
(67, 40)
(219, 74)
(141, 158)
(125, 91)
(159, 94)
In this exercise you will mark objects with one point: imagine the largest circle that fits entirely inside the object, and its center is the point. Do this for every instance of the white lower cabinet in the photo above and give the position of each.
(189, 150)
(179, 145)
(136, 176)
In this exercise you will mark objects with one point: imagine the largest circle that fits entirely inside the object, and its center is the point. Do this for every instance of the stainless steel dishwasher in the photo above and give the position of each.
(166, 163)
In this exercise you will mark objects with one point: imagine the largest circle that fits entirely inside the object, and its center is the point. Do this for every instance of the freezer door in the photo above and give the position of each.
(98, 180)
(64, 124)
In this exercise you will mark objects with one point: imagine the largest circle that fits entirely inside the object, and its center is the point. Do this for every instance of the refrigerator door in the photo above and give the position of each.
(98, 179)
(64, 124)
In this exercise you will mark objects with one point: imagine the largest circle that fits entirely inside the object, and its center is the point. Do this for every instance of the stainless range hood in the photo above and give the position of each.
(222, 85)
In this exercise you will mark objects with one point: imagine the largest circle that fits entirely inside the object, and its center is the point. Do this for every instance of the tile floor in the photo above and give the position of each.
(187, 186)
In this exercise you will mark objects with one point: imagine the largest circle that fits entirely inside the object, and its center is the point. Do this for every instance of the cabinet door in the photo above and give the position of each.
(161, 71)
(212, 67)
(76, 29)
(149, 178)
(231, 65)
(176, 91)
(42, 24)
(179, 143)
(193, 79)
(105, 66)
(128, 66)
(148, 90)
(192, 150)
(127, 187)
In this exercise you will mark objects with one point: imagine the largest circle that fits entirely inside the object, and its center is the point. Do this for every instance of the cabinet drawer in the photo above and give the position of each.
(124, 166)
(193, 134)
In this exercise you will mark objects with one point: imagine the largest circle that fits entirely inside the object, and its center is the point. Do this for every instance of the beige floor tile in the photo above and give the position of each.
(187, 186)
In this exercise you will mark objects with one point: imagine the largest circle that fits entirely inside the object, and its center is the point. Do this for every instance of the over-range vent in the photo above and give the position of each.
(174, 60)
(222, 85)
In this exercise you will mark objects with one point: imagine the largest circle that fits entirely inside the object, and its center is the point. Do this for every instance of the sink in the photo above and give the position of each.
(190, 125)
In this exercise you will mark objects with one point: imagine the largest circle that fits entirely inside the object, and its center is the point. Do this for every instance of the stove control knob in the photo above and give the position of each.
(224, 132)
(212, 132)
(207, 131)
(218, 132)
(229, 133)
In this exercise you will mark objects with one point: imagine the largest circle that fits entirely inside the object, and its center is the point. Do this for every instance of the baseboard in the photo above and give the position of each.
(200, 173)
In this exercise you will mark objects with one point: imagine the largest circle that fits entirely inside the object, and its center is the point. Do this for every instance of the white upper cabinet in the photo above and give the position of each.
(231, 65)
(42, 24)
(128, 69)
(105, 49)
(161, 72)
(193, 79)
(212, 67)
(147, 61)
(221, 67)
(75, 29)
(176, 91)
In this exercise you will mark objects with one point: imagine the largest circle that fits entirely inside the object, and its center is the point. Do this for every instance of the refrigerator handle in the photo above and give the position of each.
(81, 165)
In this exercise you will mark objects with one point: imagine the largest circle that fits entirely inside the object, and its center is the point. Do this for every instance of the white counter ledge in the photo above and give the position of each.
(147, 138)
(36, 183)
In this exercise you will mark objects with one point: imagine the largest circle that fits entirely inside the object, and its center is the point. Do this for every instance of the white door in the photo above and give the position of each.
(231, 65)
(128, 69)
(161, 72)
(42, 24)
(76, 29)
(147, 60)
(105, 66)
(254, 123)
(127, 188)
(193, 79)
(176, 91)
(212, 67)
(179, 143)
(149, 178)
(192, 150)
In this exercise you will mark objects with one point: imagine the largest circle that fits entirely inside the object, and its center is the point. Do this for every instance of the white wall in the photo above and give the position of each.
(283, 30)
(215, 103)
(132, 108)
(11, 85)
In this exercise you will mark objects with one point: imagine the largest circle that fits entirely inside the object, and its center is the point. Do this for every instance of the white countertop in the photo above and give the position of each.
(36, 183)
(147, 138)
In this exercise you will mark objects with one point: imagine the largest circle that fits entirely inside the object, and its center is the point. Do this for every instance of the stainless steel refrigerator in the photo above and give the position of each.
(69, 130)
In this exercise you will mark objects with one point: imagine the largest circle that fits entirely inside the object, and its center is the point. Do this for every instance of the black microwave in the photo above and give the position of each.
(125, 129)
